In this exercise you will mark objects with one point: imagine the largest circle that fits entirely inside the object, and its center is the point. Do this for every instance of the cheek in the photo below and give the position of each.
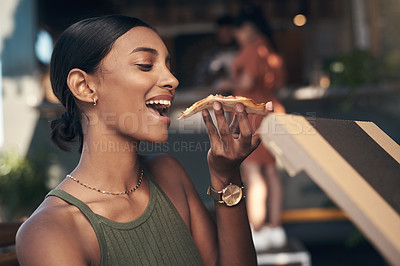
(127, 94)
(129, 123)
(139, 78)
(129, 80)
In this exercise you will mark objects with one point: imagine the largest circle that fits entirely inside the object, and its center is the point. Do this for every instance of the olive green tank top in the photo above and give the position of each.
(158, 237)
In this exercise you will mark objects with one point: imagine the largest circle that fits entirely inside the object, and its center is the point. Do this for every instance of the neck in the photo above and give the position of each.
(109, 162)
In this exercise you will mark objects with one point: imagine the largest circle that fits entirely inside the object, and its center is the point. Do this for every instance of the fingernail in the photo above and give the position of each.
(217, 106)
(239, 108)
(204, 113)
(269, 106)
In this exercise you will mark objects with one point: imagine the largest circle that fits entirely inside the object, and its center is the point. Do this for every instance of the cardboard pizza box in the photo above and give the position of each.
(354, 162)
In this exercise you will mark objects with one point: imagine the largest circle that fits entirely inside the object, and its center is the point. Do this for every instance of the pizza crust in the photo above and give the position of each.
(228, 104)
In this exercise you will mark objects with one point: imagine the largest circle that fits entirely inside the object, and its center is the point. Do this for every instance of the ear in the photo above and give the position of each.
(78, 83)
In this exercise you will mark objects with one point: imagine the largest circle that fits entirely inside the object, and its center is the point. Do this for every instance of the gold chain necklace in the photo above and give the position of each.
(108, 192)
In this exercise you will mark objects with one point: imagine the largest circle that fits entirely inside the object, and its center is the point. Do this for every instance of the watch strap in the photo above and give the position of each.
(216, 195)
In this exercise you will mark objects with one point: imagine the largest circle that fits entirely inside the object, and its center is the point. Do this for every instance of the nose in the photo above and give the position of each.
(168, 80)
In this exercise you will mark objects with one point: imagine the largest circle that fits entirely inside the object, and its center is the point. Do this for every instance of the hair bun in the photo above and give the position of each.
(65, 130)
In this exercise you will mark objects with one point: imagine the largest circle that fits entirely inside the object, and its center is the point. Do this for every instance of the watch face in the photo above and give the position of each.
(232, 195)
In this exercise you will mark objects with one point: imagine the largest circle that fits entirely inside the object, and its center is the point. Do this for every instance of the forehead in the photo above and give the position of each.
(139, 37)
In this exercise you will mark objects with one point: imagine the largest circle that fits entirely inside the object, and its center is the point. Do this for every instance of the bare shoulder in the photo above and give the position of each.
(47, 237)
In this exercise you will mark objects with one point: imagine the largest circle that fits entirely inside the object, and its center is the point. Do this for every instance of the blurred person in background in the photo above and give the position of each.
(112, 74)
(258, 72)
(216, 64)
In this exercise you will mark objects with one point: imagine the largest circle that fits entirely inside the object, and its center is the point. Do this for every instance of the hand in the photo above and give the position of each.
(231, 146)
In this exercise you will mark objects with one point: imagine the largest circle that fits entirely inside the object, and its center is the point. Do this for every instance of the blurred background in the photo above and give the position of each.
(342, 59)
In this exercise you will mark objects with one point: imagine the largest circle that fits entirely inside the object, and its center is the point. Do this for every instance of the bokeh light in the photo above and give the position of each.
(299, 20)
(43, 47)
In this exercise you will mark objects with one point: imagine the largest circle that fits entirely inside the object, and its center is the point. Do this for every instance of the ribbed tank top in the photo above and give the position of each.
(158, 236)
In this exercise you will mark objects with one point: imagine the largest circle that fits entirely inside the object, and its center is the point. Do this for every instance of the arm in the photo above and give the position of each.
(39, 242)
(200, 223)
(228, 149)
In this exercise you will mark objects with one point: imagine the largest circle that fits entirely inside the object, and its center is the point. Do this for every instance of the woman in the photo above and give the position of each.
(258, 73)
(112, 74)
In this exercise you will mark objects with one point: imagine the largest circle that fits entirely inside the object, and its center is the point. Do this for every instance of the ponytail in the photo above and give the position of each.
(65, 130)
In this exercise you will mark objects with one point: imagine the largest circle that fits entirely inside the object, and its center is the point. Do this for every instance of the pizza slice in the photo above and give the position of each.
(228, 103)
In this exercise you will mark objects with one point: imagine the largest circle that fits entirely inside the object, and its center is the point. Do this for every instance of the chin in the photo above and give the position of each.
(160, 138)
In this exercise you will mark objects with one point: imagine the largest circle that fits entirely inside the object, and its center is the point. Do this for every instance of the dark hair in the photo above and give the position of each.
(254, 15)
(83, 45)
(225, 20)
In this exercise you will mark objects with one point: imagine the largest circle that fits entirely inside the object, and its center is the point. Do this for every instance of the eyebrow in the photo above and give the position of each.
(145, 49)
(152, 51)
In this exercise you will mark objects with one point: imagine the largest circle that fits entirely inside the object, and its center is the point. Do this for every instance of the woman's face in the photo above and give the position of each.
(135, 87)
(244, 33)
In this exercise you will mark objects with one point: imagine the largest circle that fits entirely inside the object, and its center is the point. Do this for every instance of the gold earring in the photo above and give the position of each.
(94, 101)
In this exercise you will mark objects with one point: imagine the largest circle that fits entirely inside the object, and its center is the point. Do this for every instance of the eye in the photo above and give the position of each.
(145, 67)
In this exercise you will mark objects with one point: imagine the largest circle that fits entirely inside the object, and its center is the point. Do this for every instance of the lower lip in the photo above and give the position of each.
(165, 119)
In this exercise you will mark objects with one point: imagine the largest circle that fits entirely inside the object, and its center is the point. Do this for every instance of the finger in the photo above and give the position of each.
(211, 129)
(223, 127)
(234, 127)
(246, 132)
(256, 139)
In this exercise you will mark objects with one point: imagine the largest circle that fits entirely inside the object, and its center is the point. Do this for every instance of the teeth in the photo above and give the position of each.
(163, 102)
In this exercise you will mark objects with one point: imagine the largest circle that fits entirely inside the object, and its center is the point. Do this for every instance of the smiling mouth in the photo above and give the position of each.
(159, 107)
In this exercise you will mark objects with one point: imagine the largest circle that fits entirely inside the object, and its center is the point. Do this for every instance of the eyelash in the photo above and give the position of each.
(145, 67)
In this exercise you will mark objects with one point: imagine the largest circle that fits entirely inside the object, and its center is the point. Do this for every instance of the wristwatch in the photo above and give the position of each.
(231, 195)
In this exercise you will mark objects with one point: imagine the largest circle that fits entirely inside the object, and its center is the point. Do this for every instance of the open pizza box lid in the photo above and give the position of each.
(355, 163)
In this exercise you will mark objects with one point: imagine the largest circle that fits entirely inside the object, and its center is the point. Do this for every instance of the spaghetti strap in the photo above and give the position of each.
(153, 181)
(85, 209)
